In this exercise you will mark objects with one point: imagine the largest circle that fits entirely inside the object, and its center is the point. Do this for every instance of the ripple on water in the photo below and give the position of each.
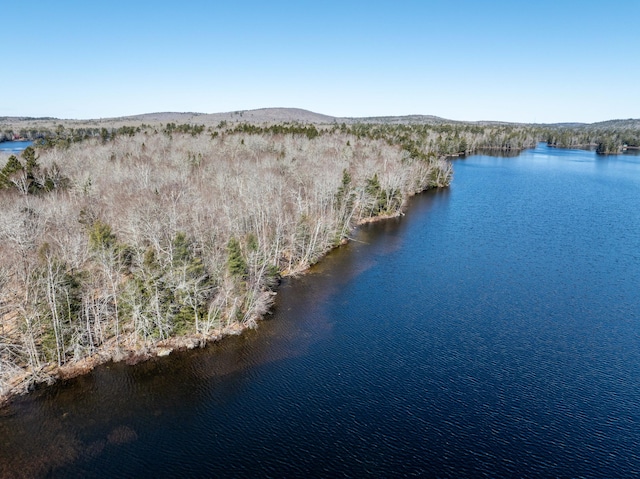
(491, 332)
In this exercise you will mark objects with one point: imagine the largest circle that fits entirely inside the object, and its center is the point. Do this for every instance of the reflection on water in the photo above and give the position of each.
(493, 330)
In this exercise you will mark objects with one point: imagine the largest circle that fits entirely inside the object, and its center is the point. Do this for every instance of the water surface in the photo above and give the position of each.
(14, 146)
(492, 331)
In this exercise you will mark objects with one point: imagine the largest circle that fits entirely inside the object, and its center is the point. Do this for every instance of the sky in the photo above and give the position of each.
(538, 61)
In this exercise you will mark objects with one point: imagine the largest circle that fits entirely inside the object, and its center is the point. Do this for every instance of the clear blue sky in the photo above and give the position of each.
(544, 60)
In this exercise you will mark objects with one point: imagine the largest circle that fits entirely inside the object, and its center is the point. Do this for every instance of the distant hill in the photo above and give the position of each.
(11, 119)
(405, 119)
(617, 124)
(284, 115)
(565, 125)
(280, 115)
(261, 115)
(160, 117)
(630, 123)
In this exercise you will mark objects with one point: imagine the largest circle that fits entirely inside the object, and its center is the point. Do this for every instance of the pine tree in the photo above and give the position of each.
(236, 263)
(13, 165)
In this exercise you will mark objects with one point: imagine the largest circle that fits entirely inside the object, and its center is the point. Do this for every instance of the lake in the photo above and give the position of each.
(14, 146)
(492, 331)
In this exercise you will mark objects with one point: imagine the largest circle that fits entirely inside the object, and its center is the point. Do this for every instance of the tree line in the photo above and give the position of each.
(442, 138)
(606, 139)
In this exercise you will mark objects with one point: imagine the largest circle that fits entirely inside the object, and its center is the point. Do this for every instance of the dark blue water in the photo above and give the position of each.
(14, 146)
(494, 331)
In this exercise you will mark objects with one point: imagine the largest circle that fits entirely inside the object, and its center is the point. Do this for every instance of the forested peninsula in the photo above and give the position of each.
(122, 241)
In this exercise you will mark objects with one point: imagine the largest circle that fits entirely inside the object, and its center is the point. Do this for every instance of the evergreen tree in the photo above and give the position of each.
(236, 263)
(12, 166)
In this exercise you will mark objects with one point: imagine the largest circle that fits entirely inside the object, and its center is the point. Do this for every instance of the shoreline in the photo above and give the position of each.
(50, 374)
(131, 350)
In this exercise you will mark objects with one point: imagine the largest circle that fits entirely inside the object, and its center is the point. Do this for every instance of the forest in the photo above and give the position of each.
(122, 243)
(609, 137)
